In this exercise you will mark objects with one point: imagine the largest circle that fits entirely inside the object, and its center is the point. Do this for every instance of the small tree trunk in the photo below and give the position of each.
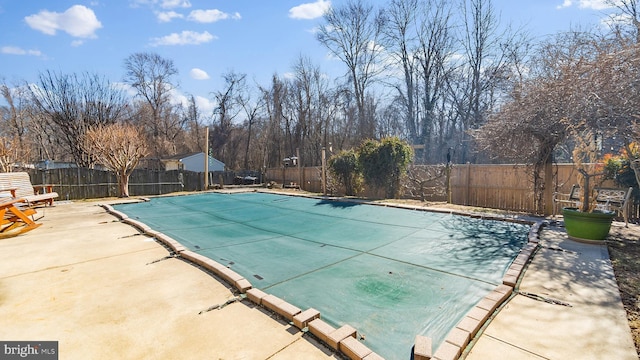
(123, 182)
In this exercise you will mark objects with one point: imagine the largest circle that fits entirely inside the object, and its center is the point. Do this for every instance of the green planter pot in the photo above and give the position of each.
(589, 227)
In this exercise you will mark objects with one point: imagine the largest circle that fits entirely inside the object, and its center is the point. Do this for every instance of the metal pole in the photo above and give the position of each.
(324, 171)
(206, 158)
(299, 169)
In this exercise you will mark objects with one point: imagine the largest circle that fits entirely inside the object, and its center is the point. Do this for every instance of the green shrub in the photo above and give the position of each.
(383, 163)
(344, 167)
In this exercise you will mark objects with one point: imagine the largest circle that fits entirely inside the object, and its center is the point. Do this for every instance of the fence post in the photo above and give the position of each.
(468, 189)
(299, 169)
(548, 187)
(324, 171)
(448, 182)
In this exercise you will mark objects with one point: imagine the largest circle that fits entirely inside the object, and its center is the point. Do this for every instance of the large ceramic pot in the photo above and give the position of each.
(589, 227)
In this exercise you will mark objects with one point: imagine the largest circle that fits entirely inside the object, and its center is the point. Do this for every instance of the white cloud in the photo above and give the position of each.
(76, 43)
(586, 4)
(128, 89)
(594, 4)
(14, 50)
(177, 98)
(310, 11)
(171, 4)
(205, 106)
(167, 16)
(616, 20)
(183, 38)
(138, 3)
(77, 21)
(209, 16)
(198, 74)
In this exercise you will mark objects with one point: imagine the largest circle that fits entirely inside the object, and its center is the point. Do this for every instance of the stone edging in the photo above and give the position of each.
(344, 339)
(459, 337)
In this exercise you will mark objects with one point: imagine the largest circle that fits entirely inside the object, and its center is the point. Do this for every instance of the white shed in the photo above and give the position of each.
(192, 162)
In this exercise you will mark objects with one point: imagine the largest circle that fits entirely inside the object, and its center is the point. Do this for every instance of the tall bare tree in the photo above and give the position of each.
(352, 33)
(399, 40)
(15, 120)
(72, 103)
(194, 128)
(227, 109)
(484, 65)
(433, 55)
(272, 137)
(153, 78)
(252, 107)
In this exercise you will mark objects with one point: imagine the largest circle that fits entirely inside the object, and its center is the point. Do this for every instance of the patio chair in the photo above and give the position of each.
(566, 200)
(19, 186)
(14, 220)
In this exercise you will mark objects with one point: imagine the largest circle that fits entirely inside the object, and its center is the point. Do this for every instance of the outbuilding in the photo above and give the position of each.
(192, 162)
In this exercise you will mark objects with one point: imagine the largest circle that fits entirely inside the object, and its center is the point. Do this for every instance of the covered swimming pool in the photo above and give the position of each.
(390, 273)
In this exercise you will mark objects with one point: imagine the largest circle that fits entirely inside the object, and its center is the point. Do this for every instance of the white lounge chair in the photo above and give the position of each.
(18, 184)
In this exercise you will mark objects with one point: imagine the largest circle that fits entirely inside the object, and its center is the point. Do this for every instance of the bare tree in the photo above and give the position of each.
(353, 34)
(399, 40)
(580, 80)
(272, 137)
(152, 77)
(71, 104)
(252, 109)
(193, 120)
(16, 121)
(119, 147)
(227, 108)
(630, 9)
(8, 153)
(484, 68)
(433, 55)
(613, 86)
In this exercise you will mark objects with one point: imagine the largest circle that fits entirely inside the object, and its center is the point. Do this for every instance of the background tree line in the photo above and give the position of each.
(440, 75)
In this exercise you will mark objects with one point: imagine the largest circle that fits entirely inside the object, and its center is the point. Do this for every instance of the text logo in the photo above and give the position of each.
(32, 350)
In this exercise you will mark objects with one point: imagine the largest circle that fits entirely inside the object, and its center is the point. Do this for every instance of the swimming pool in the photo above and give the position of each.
(390, 273)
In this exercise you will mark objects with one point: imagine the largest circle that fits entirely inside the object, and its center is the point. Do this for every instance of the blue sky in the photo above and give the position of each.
(205, 38)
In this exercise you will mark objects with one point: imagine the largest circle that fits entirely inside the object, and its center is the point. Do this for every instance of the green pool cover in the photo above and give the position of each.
(390, 273)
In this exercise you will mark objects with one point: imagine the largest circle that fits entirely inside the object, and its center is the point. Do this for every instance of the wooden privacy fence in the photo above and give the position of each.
(307, 178)
(507, 187)
(83, 183)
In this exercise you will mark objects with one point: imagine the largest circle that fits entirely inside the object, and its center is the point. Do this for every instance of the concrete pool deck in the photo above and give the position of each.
(103, 290)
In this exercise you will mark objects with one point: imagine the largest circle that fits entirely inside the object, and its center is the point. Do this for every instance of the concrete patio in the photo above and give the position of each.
(104, 291)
